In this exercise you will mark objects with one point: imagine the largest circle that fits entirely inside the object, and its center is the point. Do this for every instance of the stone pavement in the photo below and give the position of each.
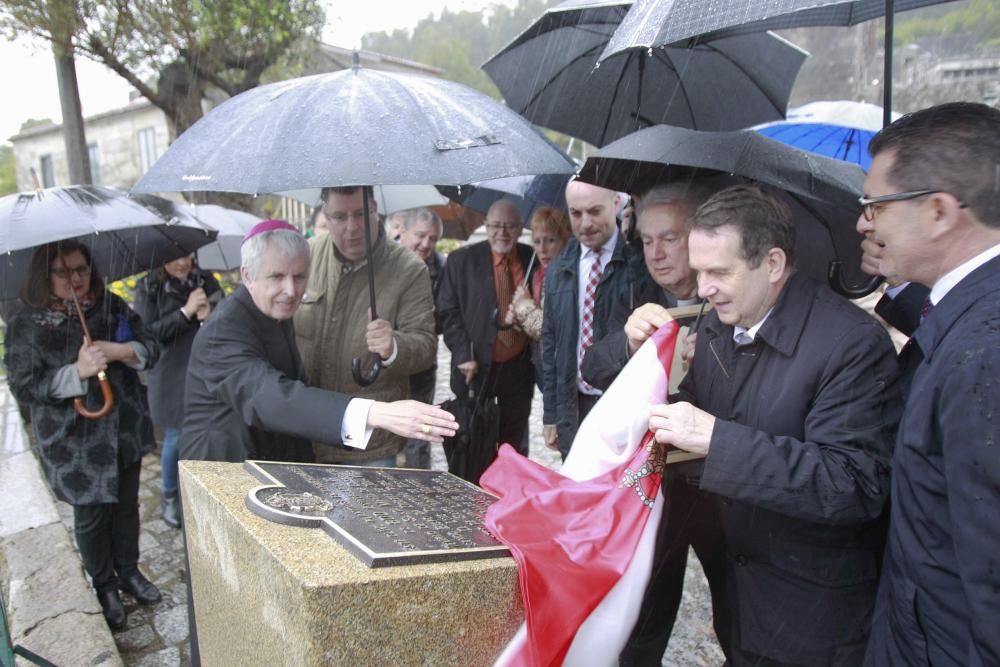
(158, 635)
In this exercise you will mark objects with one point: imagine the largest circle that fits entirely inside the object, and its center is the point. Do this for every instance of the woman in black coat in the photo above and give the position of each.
(92, 464)
(173, 302)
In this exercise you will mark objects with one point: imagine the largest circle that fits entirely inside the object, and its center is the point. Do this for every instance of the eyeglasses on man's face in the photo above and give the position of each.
(505, 226)
(64, 273)
(871, 205)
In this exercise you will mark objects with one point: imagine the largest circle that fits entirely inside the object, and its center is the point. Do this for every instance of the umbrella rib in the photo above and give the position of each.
(618, 83)
(685, 98)
(541, 89)
(743, 70)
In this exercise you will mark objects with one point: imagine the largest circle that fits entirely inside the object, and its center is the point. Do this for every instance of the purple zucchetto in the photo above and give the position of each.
(269, 226)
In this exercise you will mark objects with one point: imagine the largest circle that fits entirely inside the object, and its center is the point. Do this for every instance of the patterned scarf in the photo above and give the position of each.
(59, 310)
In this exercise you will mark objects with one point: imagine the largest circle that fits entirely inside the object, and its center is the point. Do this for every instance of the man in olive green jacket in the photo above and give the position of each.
(333, 324)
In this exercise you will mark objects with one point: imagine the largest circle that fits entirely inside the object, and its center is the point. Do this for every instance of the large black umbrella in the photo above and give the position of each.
(549, 74)
(126, 234)
(654, 23)
(353, 127)
(823, 192)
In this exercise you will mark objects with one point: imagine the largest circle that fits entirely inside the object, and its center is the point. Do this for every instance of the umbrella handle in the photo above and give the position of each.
(109, 400)
(835, 277)
(359, 375)
(102, 377)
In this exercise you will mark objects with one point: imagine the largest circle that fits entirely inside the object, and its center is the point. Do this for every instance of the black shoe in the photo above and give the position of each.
(111, 605)
(170, 510)
(141, 588)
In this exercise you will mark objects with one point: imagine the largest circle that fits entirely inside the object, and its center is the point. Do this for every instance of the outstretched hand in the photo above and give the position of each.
(413, 419)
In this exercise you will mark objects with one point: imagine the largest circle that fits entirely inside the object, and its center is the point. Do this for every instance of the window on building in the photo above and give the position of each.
(47, 170)
(94, 155)
(147, 148)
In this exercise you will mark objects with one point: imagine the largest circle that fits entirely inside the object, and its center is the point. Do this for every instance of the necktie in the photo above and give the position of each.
(587, 321)
(505, 292)
(925, 309)
(743, 338)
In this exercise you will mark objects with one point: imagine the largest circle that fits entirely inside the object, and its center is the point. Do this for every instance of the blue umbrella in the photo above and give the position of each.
(838, 129)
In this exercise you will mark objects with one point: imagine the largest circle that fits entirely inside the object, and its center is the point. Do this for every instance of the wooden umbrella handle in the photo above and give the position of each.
(109, 400)
(102, 377)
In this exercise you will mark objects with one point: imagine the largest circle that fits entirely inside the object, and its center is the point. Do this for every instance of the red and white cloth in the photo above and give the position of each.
(583, 538)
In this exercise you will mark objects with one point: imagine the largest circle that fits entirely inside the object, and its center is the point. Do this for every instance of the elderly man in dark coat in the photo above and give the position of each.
(792, 399)
(246, 390)
(932, 204)
(476, 289)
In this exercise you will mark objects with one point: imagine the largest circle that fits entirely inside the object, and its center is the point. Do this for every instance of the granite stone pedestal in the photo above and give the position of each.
(270, 594)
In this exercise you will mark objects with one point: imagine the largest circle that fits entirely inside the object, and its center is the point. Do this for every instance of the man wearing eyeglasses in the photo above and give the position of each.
(488, 356)
(932, 203)
(333, 325)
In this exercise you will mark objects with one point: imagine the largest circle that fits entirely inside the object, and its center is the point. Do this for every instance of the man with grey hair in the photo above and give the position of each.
(246, 394)
(663, 214)
(661, 224)
(422, 228)
(487, 357)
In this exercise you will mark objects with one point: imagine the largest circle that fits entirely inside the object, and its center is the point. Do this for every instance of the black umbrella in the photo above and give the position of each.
(126, 234)
(823, 192)
(474, 446)
(654, 23)
(549, 74)
(353, 127)
(527, 193)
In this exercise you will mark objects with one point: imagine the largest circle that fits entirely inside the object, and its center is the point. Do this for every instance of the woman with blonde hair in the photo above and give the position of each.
(550, 230)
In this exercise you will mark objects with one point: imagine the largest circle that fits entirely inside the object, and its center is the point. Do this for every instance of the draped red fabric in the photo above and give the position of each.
(572, 540)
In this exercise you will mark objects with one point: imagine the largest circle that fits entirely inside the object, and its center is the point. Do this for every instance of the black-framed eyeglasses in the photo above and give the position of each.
(81, 271)
(869, 204)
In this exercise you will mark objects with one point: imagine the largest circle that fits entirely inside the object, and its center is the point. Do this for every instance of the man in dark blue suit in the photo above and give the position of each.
(932, 201)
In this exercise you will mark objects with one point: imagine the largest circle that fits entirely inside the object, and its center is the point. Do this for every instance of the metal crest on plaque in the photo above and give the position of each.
(384, 516)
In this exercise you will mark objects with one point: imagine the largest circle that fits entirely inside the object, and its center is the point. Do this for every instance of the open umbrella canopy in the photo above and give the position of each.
(822, 192)
(390, 198)
(549, 74)
(654, 23)
(126, 234)
(839, 129)
(527, 193)
(223, 254)
(352, 127)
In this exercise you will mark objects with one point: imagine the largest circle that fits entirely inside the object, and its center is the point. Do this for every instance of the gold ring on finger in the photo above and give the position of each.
(426, 429)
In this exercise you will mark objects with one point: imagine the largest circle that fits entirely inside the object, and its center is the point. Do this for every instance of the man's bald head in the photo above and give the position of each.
(503, 226)
(591, 212)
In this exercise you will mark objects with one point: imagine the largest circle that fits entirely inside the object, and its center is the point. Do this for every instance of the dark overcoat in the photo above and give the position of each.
(466, 302)
(799, 463)
(246, 396)
(159, 303)
(561, 326)
(607, 357)
(81, 457)
(939, 601)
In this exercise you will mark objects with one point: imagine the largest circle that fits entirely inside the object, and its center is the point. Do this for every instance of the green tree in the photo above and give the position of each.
(460, 42)
(8, 179)
(185, 46)
(980, 19)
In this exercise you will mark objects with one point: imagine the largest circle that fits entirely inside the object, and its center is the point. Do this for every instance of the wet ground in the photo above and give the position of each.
(158, 635)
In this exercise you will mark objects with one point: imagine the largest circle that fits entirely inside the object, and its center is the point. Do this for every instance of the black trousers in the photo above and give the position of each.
(512, 382)
(108, 534)
(690, 518)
